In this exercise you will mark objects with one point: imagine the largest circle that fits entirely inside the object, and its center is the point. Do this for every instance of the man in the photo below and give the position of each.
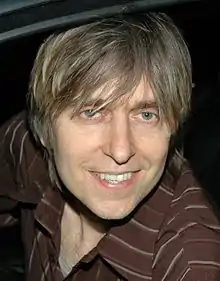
(102, 190)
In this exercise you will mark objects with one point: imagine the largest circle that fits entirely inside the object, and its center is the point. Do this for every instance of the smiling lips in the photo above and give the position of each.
(116, 180)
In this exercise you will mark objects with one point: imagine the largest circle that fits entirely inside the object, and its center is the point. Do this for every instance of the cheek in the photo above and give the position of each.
(69, 153)
(77, 143)
(154, 147)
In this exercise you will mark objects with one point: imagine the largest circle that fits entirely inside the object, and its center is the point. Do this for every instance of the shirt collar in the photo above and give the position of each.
(50, 209)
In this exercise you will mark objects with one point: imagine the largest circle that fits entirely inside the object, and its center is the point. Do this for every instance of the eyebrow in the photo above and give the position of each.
(95, 102)
(146, 104)
(139, 105)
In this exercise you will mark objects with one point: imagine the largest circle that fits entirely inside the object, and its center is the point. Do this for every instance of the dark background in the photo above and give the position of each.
(199, 23)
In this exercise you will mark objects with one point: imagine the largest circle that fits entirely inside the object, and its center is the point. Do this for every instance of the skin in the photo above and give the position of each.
(129, 137)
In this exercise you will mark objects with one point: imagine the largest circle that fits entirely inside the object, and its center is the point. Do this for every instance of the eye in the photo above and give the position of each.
(90, 113)
(148, 116)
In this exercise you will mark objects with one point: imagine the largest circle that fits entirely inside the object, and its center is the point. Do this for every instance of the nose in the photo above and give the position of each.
(120, 142)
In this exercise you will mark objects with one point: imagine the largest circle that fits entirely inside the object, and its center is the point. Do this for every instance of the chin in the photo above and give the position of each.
(113, 213)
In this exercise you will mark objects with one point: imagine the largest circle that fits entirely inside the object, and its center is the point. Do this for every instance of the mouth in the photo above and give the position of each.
(122, 180)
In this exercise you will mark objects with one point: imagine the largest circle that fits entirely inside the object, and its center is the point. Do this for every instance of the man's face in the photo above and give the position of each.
(112, 158)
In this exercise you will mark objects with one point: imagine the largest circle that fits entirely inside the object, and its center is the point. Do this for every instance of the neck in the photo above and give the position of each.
(82, 226)
(91, 225)
(81, 231)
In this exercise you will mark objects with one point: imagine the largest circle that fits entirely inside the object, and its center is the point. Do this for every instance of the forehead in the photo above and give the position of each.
(143, 92)
(110, 95)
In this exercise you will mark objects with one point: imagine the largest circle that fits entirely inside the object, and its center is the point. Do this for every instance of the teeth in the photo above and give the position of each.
(112, 178)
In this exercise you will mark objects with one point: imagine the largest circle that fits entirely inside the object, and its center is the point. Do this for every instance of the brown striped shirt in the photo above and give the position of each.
(173, 236)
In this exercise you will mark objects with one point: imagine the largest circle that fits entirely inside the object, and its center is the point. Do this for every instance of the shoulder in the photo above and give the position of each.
(189, 240)
(13, 133)
(22, 163)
